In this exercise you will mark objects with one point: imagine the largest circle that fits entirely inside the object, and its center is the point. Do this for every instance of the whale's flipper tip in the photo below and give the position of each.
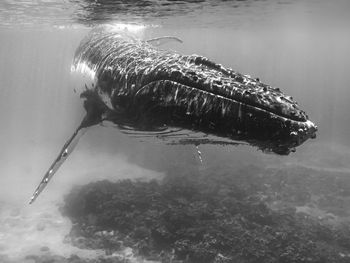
(62, 156)
(94, 112)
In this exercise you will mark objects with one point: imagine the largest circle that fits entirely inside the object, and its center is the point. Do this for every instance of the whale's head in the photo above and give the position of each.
(194, 93)
(156, 88)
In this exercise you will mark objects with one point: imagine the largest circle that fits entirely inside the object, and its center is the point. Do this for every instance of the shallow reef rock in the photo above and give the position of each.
(52, 258)
(249, 215)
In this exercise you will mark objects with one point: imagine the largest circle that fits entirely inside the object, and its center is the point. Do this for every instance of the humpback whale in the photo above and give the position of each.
(187, 99)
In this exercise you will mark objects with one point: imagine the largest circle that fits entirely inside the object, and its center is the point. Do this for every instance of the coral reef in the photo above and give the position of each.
(249, 215)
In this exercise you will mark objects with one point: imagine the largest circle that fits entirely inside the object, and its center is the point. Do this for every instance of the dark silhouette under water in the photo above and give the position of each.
(178, 98)
(249, 215)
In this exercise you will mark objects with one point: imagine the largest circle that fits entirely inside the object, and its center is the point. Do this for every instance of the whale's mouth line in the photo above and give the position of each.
(234, 100)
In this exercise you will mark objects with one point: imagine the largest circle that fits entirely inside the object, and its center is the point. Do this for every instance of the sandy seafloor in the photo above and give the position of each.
(38, 233)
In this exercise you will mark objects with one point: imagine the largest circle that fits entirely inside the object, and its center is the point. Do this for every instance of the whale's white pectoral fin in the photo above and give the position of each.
(158, 41)
(94, 113)
(62, 156)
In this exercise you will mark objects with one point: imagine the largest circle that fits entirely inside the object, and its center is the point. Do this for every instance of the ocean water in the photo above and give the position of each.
(302, 47)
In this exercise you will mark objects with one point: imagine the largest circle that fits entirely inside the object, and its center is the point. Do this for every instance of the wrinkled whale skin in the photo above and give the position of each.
(181, 99)
(145, 88)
